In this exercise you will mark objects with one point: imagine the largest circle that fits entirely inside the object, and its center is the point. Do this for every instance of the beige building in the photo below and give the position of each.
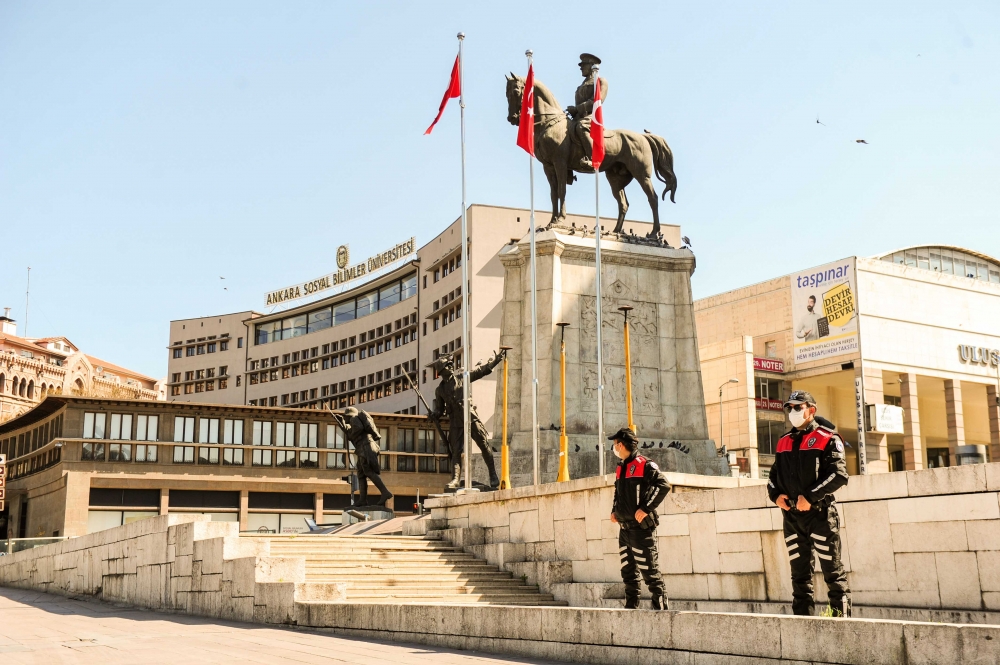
(916, 330)
(352, 348)
(31, 368)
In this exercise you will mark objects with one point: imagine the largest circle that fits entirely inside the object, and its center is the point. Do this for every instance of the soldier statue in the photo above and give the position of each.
(448, 402)
(364, 436)
(583, 112)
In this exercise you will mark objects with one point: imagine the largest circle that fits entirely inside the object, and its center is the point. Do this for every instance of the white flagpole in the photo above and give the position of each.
(467, 296)
(534, 314)
(600, 346)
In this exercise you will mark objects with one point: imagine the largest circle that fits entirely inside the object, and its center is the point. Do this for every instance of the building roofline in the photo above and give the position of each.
(978, 255)
(251, 312)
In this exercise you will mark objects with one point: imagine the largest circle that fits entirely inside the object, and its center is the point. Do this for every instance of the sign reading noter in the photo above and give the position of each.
(825, 311)
(345, 273)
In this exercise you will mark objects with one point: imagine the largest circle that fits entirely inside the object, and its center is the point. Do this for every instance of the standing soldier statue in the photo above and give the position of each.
(363, 435)
(448, 402)
(583, 112)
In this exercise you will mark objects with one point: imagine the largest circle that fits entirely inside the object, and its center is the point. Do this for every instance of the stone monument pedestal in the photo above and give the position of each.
(667, 396)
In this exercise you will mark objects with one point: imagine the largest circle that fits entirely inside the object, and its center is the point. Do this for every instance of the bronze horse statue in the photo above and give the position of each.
(628, 155)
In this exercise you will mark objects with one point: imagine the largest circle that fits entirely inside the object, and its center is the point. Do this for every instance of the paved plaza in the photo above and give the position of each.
(38, 628)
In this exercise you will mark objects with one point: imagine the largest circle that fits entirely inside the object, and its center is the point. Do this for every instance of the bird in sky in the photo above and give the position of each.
(221, 277)
(861, 141)
(820, 123)
(225, 288)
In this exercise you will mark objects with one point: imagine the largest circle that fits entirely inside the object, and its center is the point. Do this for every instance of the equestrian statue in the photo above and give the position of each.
(563, 145)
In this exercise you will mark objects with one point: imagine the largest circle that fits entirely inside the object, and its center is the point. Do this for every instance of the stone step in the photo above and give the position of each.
(525, 599)
(353, 547)
(444, 557)
(325, 576)
(362, 568)
(504, 586)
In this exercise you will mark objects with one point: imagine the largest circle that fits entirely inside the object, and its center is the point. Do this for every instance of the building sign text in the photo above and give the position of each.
(769, 365)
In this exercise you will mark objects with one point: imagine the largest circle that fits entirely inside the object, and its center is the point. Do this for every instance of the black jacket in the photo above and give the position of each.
(809, 462)
(638, 484)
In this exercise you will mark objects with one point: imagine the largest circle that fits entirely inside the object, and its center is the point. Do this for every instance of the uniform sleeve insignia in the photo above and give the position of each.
(631, 469)
(840, 446)
(653, 464)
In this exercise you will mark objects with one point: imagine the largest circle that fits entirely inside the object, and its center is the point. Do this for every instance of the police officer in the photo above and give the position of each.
(808, 468)
(639, 489)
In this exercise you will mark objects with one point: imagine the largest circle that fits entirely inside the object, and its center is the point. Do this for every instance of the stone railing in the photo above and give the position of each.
(181, 563)
(926, 540)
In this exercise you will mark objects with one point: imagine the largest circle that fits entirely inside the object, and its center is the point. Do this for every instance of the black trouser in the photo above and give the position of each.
(368, 469)
(818, 528)
(457, 434)
(637, 550)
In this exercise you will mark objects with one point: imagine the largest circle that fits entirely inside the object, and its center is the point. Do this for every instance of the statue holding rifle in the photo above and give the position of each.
(448, 402)
(363, 434)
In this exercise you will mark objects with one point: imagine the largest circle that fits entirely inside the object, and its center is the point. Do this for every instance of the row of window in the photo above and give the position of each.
(207, 347)
(120, 426)
(448, 316)
(949, 261)
(199, 374)
(25, 442)
(342, 312)
(203, 386)
(446, 269)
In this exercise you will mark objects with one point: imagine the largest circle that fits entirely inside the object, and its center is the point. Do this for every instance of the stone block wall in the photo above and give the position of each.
(916, 539)
(182, 563)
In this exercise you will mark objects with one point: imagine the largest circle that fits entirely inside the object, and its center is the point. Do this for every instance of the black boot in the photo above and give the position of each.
(492, 468)
(632, 603)
(363, 494)
(386, 494)
(660, 603)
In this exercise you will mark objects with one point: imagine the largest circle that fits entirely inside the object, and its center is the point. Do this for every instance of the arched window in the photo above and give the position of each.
(3, 382)
(31, 389)
(23, 387)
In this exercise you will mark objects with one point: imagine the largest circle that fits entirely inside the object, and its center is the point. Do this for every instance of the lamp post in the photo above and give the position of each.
(721, 441)
(504, 449)
(563, 440)
(625, 309)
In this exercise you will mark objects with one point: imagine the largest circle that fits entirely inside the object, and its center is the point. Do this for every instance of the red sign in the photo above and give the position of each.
(765, 404)
(769, 365)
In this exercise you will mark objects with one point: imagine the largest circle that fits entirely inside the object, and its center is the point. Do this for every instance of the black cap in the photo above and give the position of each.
(800, 397)
(589, 58)
(625, 435)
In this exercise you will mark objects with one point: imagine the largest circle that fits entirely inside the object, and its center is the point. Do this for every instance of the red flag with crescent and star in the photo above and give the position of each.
(597, 127)
(454, 90)
(526, 125)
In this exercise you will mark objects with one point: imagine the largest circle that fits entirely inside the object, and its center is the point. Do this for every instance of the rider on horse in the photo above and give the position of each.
(584, 109)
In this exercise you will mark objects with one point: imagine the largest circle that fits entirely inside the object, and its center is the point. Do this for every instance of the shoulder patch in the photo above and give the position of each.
(840, 445)
(653, 466)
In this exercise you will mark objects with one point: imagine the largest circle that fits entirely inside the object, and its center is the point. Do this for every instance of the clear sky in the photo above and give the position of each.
(149, 148)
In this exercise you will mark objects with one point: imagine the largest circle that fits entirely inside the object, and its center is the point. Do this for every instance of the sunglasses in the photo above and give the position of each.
(796, 407)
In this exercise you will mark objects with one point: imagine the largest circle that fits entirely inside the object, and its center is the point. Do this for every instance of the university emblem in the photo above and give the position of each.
(343, 257)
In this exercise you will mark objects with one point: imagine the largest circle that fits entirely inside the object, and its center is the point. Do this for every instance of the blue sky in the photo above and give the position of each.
(146, 149)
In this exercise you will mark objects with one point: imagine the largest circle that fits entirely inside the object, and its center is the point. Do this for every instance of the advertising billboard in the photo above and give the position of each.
(825, 311)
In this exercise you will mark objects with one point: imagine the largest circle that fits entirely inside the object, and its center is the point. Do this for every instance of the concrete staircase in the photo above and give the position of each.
(406, 570)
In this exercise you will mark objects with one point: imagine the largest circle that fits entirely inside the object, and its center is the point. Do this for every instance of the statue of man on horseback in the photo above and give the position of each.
(564, 146)
(582, 112)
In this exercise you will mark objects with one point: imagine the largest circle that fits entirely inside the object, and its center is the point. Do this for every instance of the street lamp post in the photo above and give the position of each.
(563, 440)
(722, 442)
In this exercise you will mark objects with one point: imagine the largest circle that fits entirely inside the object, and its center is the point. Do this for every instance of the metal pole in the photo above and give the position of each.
(504, 448)
(467, 296)
(722, 441)
(859, 385)
(27, 297)
(563, 439)
(534, 319)
(628, 371)
(600, 350)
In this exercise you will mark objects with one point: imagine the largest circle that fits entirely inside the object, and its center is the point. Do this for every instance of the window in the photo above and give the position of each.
(223, 345)
(768, 433)
(425, 444)
(286, 458)
(147, 428)
(177, 353)
(208, 430)
(770, 349)
(183, 429)
(232, 457)
(211, 347)
(121, 426)
(308, 460)
(93, 452)
(232, 431)
(224, 370)
(145, 453)
(208, 455)
(344, 312)
(409, 287)
(367, 303)
(308, 435)
(320, 319)
(262, 432)
(224, 383)
(389, 296)
(239, 342)
(175, 390)
(262, 457)
(284, 434)
(405, 441)
(184, 454)
(768, 389)
(120, 452)
(201, 349)
(190, 351)
(93, 425)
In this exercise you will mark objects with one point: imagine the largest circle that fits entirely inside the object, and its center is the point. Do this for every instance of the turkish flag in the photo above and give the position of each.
(454, 90)
(597, 127)
(526, 126)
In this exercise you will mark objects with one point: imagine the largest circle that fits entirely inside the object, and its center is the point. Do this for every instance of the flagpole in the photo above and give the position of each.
(534, 315)
(600, 324)
(467, 296)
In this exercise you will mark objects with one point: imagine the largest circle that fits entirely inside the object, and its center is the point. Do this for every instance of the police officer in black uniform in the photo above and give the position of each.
(808, 468)
(639, 489)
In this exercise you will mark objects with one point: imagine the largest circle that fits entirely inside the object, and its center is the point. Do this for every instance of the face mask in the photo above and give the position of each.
(797, 417)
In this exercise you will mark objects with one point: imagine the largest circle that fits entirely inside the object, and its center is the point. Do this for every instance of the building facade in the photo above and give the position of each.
(905, 342)
(356, 347)
(31, 368)
(78, 465)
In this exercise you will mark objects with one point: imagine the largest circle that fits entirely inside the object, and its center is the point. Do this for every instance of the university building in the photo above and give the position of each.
(906, 342)
(32, 367)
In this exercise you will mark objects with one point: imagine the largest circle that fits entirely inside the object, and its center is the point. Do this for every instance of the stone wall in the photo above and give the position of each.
(182, 563)
(916, 539)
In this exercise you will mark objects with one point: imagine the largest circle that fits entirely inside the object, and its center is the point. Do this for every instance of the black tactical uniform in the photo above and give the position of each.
(639, 485)
(363, 434)
(810, 462)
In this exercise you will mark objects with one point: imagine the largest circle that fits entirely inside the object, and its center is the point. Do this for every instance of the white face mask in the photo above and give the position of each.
(797, 418)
